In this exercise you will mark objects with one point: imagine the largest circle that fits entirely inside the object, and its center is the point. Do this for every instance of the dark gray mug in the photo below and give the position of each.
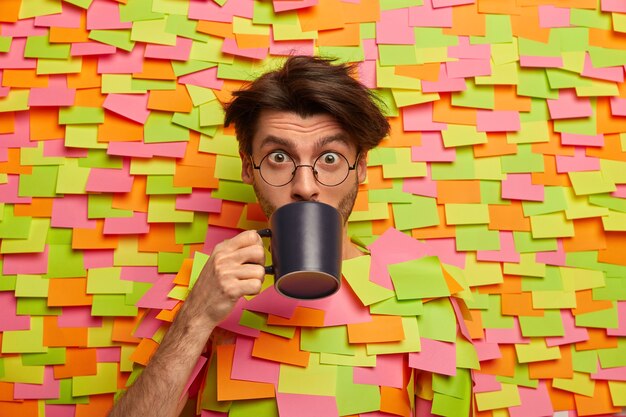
(306, 247)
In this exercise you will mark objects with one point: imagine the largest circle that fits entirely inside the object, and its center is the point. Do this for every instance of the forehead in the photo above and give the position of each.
(292, 130)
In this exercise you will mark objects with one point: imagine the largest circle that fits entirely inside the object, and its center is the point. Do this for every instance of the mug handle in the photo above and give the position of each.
(269, 270)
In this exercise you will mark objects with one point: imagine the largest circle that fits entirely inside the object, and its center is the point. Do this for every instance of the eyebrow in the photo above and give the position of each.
(275, 140)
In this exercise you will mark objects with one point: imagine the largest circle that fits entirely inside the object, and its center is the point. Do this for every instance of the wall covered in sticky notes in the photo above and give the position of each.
(506, 160)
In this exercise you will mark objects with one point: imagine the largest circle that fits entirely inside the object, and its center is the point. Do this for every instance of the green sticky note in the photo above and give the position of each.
(457, 386)
(438, 322)
(72, 178)
(553, 201)
(81, 115)
(191, 121)
(200, 95)
(462, 168)
(118, 84)
(577, 279)
(107, 281)
(99, 206)
(183, 27)
(613, 290)
(525, 160)
(534, 83)
(228, 168)
(234, 191)
(520, 378)
(101, 336)
(492, 316)
(530, 132)
(259, 321)
(419, 278)
(551, 226)
(71, 65)
(386, 78)
(152, 31)
(467, 213)
(549, 282)
(40, 47)
(35, 156)
(524, 243)
(5, 43)
(41, 182)
(138, 10)
(553, 299)
(34, 243)
(164, 184)
(394, 307)
(320, 379)
(404, 98)
(411, 342)
(404, 166)
(548, 325)
(191, 65)
(476, 237)
(118, 38)
(83, 136)
(97, 158)
(357, 272)
(162, 209)
(31, 286)
(613, 357)
(462, 135)
(112, 305)
(29, 341)
(332, 339)
(501, 74)
(360, 358)
(36, 307)
(144, 84)
(498, 28)
(476, 96)
(466, 355)
(449, 406)
(15, 100)
(105, 381)
(481, 273)
(54, 356)
(406, 219)
(209, 50)
(265, 407)
(153, 166)
(158, 128)
(355, 398)
(391, 55)
(194, 232)
(527, 266)
(64, 262)
(16, 371)
(139, 289)
(14, 227)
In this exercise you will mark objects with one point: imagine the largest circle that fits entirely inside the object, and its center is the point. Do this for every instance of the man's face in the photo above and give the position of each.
(284, 136)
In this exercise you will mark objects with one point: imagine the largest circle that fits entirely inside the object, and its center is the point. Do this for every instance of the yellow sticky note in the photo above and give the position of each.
(553, 299)
(25, 341)
(376, 211)
(467, 213)
(107, 281)
(35, 242)
(576, 279)
(15, 371)
(127, 254)
(591, 182)
(615, 221)
(581, 384)
(481, 273)
(357, 272)
(105, 381)
(508, 396)
(462, 135)
(31, 286)
(360, 358)
(152, 31)
(228, 168)
(152, 166)
(320, 378)
(162, 209)
(15, 100)
(551, 225)
(527, 266)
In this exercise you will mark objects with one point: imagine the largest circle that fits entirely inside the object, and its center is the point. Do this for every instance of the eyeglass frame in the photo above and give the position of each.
(296, 166)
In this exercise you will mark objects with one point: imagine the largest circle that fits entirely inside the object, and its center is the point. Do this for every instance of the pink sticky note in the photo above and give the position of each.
(620, 191)
(215, 235)
(199, 200)
(98, 258)
(70, 211)
(288, 47)
(613, 6)
(464, 68)
(285, 5)
(68, 18)
(56, 147)
(424, 186)
(300, 405)
(157, 296)
(435, 356)
(554, 17)
(422, 409)
(8, 191)
(432, 149)
(507, 252)
(497, 121)
(615, 74)
(621, 319)
(137, 224)
(486, 351)
(194, 374)
(203, 10)
(341, 308)
(534, 402)
(444, 83)
(60, 410)
(20, 138)
(557, 258)
(509, 336)
(271, 302)
(131, 106)
(23, 28)
(229, 46)
(109, 354)
(568, 105)
(393, 28)
(50, 388)
(618, 106)
(370, 49)
(78, 316)
(427, 16)
(392, 247)
(541, 61)
(149, 325)
(123, 62)
(447, 3)
(465, 49)
(14, 59)
(445, 250)
(140, 273)
(148, 150)
(4, 91)
(387, 372)
(520, 187)
(572, 334)
(582, 140)
(56, 94)
(485, 382)
(205, 78)
(91, 48)
(103, 14)
(178, 52)
(367, 73)
(248, 368)
(9, 320)
(611, 374)
(419, 118)
(207, 413)
(105, 180)
(231, 323)
(577, 163)
(25, 263)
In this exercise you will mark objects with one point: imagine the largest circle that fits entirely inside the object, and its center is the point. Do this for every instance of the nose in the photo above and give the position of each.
(304, 186)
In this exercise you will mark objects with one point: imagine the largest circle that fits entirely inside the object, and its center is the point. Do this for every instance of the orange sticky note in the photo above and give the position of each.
(279, 349)
(93, 238)
(508, 217)
(588, 235)
(229, 216)
(349, 35)
(395, 401)
(7, 122)
(23, 78)
(88, 76)
(467, 21)
(557, 368)
(221, 29)
(160, 238)
(231, 389)
(427, 72)
(68, 292)
(496, 145)
(599, 403)
(302, 316)
(380, 329)
(78, 362)
(458, 192)
(327, 14)
(506, 98)
(55, 336)
(445, 112)
(615, 249)
(144, 351)
(156, 69)
(519, 305)
(119, 129)
(44, 123)
(136, 199)
(195, 176)
(13, 163)
(123, 328)
(525, 24)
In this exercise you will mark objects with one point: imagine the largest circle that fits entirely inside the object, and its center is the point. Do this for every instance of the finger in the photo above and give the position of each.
(244, 239)
(250, 272)
(250, 255)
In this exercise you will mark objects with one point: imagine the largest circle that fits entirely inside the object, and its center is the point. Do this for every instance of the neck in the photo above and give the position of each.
(350, 250)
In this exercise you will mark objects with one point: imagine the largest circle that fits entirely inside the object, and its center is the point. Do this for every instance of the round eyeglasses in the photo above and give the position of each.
(278, 168)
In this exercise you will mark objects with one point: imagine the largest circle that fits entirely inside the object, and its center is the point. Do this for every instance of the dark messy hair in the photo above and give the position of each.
(308, 86)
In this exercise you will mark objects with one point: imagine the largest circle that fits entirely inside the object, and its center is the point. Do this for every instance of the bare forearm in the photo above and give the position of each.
(158, 390)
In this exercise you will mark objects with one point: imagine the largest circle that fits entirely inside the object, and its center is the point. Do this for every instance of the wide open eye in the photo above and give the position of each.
(278, 158)
(329, 159)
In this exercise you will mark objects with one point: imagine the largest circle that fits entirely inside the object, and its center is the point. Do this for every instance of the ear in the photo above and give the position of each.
(361, 167)
(247, 170)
